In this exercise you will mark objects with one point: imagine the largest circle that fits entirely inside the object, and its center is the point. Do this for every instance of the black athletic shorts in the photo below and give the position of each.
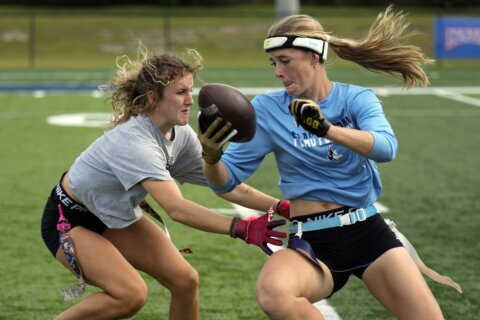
(349, 249)
(76, 213)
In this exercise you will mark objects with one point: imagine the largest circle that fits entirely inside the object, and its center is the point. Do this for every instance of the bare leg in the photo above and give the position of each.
(124, 291)
(288, 284)
(147, 248)
(396, 282)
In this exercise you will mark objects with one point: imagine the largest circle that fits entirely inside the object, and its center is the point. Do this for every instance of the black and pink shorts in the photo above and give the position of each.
(76, 213)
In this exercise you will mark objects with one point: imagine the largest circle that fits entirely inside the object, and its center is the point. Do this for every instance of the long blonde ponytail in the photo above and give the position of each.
(384, 49)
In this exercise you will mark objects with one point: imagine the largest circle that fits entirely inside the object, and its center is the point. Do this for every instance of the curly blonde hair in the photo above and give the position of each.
(134, 79)
(382, 50)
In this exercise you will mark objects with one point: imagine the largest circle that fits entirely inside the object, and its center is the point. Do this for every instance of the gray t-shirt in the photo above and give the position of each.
(106, 176)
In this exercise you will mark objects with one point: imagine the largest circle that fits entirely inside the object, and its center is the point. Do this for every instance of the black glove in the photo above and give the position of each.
(308, 114)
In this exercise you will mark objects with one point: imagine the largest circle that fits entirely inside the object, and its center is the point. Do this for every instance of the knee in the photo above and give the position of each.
(134, 299)
(271, 297)
(186, 283)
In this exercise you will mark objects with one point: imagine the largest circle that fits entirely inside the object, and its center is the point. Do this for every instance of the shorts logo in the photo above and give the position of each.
(66, 201)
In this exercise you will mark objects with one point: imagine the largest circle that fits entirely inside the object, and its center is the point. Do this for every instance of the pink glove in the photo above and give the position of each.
(259, 231)
(283, 208)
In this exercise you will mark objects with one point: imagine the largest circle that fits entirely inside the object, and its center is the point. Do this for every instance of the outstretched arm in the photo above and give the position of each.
(259, 231)
(169, 197)
(250, 197)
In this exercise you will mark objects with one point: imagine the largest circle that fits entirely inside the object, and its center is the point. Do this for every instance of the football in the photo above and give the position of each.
(224, 101)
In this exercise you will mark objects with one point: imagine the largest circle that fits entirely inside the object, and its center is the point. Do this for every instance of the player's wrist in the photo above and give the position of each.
(211, 159)
(324, 128)
(282, 208)
(238, 228)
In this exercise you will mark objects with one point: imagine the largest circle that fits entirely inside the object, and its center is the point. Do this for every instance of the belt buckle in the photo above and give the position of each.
(361, 214)
(345, 219)
(299, 232)
(353, 217)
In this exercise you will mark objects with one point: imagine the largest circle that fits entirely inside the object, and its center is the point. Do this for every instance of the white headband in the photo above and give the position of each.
(316, 45)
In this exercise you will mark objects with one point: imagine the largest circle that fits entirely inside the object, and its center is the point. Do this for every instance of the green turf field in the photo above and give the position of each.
(431, 190)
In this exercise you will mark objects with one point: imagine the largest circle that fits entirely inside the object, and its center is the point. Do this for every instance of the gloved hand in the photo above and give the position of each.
(308, 114)
(212, 141)
(283, 208)
(259, 231)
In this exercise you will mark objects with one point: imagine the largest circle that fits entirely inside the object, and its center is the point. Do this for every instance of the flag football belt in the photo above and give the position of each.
(145, 206)
(297, 227)
(298, 244)
(352, 217)
(66, 243)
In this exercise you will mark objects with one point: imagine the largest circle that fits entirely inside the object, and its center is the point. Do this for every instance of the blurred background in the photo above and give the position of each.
(76, 42)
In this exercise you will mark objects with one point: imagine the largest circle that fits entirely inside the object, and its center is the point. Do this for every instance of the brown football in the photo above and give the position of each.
(224, 101)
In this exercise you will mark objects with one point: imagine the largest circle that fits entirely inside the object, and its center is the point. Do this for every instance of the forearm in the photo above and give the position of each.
(249, 197)
(168, 196)
(199, 217)
(358, 141)
(217, 173)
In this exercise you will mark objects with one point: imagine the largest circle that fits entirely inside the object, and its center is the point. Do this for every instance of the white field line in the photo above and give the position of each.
(454, 93)
(384, 91)
(459, 97)
(327, 310)
(244, 212)
(434, 113)
(226, 211)
(383, 208)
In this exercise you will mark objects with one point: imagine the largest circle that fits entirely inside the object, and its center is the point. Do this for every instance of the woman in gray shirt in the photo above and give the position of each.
(96, 204)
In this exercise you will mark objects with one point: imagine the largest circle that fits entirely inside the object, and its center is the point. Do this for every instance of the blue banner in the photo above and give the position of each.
(457, 38)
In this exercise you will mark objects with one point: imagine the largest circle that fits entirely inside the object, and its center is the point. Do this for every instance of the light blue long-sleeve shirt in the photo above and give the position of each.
(310, 167)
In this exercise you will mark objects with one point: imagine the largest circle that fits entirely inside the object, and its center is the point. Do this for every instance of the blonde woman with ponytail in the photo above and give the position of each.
(327, 137)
